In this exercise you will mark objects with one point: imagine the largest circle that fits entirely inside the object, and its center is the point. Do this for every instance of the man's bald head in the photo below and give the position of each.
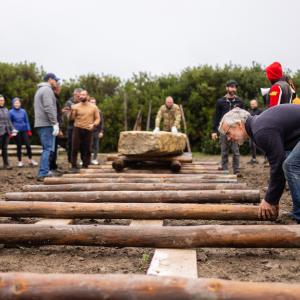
(169, 101)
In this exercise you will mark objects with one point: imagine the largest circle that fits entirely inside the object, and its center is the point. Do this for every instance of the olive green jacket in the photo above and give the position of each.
(171, 117)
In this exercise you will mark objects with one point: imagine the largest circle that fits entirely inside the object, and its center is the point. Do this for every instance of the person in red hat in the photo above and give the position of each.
(280, 91)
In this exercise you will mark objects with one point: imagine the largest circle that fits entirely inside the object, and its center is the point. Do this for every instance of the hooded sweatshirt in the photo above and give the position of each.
(5, 123)
(19, 118)
(45, 111)
(280, 92)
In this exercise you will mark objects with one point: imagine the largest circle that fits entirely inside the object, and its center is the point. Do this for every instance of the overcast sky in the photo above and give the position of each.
(121, 37)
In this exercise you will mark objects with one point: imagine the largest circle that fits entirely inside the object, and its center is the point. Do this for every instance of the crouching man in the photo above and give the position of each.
(276, 132)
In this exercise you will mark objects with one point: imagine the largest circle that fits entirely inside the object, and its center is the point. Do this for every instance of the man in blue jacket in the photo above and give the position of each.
(276, 132)
(19, 119)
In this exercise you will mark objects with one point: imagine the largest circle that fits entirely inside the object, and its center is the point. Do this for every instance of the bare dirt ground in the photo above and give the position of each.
(239, 264)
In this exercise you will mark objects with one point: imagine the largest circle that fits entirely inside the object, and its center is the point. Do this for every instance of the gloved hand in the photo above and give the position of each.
(29, 133)
(174, 129)
(14, 132)
(100, 135)
(55, 130)
(156, 130)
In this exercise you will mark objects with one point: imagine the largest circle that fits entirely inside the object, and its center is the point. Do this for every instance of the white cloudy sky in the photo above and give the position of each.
(120, 37)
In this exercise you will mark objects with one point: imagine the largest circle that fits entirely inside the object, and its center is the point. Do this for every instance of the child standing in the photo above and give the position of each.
(19, 119)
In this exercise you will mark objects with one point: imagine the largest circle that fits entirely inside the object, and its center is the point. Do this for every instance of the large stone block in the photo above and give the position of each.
(146, 143)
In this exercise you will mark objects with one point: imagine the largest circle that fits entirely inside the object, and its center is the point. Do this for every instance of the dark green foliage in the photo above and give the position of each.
(197, 89)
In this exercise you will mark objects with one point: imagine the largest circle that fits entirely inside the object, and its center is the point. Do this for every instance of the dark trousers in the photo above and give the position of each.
(81, 142)
(252, 149)
(4, 140)
(69, 143)
(95, 146)
(53, 156)
(22, 138)
(225, 146)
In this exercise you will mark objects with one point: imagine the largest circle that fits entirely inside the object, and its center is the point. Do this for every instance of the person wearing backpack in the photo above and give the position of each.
(280, 92)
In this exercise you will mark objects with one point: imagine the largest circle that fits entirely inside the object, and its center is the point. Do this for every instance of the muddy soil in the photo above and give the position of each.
(240, 264)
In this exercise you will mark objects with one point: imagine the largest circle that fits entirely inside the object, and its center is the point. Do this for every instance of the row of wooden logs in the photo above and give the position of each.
(140, 196)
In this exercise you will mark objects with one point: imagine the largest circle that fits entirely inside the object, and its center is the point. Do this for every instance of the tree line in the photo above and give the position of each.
(196, 88)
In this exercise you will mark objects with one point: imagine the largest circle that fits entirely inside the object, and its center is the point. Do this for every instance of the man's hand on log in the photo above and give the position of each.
(268, 211)
(214, 136)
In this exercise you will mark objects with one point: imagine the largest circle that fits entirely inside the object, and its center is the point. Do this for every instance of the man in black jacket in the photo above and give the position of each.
(276, 132)
(66, 113)
(224, 105)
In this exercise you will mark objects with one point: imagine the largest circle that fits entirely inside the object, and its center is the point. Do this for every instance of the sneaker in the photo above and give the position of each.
(222, 169)
(7, 167)
(80, 164)
(252, 161)
(238, 174)
(41, 178)
(74, 170)
(56, 172)
(20, 164)
(94, 162)
(32, 163)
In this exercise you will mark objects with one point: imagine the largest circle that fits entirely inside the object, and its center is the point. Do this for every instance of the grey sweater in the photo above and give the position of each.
(45, 111)
(5, 123)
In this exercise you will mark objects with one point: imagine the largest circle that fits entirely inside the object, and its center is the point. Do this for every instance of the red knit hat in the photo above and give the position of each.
(274, 71)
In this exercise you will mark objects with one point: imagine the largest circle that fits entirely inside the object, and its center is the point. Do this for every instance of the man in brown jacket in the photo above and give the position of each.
(86, 117)
(170, 113)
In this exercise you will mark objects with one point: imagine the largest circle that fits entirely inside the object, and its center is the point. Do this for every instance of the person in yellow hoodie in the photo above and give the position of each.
(170, 113)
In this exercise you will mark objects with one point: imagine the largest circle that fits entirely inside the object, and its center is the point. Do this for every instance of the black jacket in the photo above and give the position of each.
(275, 131)
(255, 112)
(223, 106)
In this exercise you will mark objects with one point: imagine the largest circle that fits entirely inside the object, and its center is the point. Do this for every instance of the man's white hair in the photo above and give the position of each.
(233, 117)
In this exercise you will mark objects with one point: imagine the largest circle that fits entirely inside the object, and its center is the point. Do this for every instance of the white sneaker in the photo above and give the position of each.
(80, 164)
(94, 162)
(20, 164)
(33, 163)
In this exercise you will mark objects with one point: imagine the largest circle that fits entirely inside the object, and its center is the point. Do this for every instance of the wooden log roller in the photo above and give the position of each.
(28, 286)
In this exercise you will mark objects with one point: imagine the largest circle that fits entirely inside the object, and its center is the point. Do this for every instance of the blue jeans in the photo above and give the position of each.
(47, 141)
(291, 169)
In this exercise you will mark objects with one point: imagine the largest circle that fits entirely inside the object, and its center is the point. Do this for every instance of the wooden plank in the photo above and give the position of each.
(55, 222)
(170, 262)
(185, 158)
(174, 262)
(146, 223)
